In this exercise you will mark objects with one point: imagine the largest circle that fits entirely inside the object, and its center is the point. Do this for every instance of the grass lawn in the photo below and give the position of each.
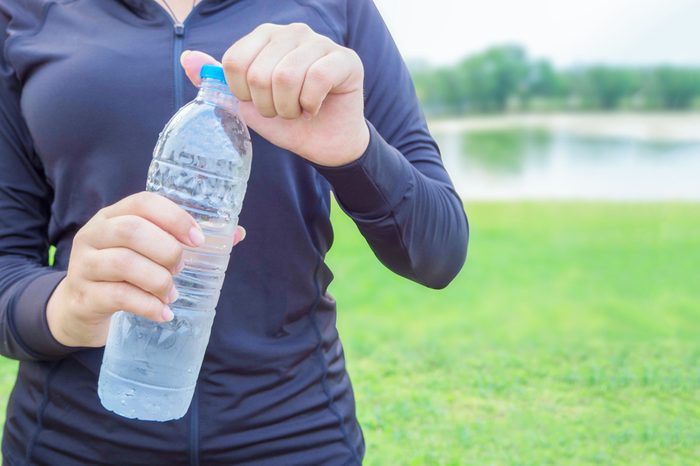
(571, 337)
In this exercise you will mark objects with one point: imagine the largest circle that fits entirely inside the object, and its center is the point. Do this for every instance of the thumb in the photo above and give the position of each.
(268, 128)
(277, 130)
(192, 62)
(251, 116)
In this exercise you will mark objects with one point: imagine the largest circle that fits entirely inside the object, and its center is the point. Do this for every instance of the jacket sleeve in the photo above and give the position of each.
(26, 282)
(398, 192)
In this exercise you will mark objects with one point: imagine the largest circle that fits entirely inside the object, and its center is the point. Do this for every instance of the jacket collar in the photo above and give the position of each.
(149, 8)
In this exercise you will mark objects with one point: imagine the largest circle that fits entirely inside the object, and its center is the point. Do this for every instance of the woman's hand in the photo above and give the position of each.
(298, 89)
(124, 258)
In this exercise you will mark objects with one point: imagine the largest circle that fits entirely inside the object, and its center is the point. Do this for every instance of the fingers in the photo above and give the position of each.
(119, 278)
(162, 212)
(192, 62)
(239, 235)
(327, 74)
(241, 55)
(141, 236)
(259, 76)
(271, 67)
(111, 297)
(125, 265)
(288, 77)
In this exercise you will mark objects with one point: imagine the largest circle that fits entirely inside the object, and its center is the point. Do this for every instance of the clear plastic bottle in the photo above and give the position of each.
(202, 162)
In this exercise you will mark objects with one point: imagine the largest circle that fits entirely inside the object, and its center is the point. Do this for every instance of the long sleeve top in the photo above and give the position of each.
(85, 88)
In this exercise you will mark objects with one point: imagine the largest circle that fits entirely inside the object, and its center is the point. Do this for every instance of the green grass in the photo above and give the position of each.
(571, 337)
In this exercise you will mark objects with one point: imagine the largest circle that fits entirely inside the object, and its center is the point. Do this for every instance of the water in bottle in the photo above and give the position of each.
(201, 162)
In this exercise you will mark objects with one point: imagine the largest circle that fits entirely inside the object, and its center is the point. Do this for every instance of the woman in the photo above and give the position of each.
(85, 88)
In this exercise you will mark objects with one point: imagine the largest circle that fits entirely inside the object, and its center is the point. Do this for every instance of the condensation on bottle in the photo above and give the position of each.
(201, 162)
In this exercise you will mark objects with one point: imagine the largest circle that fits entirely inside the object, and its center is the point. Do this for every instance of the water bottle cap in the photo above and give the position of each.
(213, 72)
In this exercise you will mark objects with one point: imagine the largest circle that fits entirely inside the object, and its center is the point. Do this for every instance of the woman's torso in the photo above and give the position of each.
(99, 81)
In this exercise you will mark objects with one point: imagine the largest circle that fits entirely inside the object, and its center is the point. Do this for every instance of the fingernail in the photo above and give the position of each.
(239, 235)
(184, 54)
(173, 295)
(306, 115)
(196, 236)
(167, 314)
(180, 266)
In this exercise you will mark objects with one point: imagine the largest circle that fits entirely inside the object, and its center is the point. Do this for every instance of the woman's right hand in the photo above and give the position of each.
(124, 258)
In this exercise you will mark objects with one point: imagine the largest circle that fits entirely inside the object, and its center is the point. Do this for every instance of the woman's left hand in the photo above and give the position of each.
(298, 89)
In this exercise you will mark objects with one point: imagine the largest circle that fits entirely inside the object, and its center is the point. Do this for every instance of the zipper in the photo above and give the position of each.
(194, 429)
(179, 39)
(179, 31)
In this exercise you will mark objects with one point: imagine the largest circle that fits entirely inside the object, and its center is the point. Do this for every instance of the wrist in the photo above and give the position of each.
(354, 150)
(55, 317)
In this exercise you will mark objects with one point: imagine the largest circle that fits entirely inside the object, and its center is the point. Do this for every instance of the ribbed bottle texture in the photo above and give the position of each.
(201, 162)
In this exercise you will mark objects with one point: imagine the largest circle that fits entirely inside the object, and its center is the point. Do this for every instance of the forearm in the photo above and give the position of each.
(415, 224)
(25, 289)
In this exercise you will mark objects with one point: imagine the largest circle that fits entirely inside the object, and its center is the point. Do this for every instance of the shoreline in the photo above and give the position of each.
(648, 127)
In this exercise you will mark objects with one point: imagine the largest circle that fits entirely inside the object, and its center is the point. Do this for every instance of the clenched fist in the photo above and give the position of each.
(298, 89)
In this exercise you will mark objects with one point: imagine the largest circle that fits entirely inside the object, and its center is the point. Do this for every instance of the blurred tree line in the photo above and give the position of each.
(504, 78)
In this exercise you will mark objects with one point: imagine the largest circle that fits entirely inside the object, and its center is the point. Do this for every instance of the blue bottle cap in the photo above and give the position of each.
(213, 72)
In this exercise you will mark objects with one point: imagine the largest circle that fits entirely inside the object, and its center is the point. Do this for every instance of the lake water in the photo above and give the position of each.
(553, 163)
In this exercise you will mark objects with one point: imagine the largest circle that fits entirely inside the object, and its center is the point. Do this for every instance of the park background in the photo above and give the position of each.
(572, 132)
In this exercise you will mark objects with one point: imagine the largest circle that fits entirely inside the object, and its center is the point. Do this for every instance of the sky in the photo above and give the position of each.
(567, 32)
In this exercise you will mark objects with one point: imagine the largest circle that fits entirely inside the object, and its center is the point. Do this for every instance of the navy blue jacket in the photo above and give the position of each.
(85, 87)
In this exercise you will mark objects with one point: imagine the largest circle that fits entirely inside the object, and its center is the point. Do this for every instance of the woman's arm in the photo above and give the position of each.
(26, 282)
(415, 224)
(123, 258)
(398, 193)
(353, 113)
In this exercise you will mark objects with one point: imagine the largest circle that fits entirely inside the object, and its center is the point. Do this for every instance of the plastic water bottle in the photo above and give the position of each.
(201, 162)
